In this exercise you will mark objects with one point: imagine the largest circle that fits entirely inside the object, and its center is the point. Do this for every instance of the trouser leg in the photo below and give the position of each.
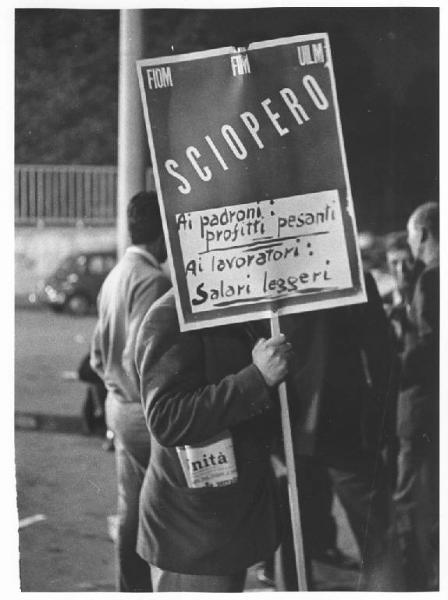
(416, 506)
(317, 503)
(363, 492)
(284, 562)
(168, 581)
(133, 573)
(132, 449)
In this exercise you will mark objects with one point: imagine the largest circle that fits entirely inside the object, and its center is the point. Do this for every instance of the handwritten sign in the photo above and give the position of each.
(251, 174)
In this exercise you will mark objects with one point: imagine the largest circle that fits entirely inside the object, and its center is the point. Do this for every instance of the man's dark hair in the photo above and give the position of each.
(397, 241)
(144, 221)
(426, 217)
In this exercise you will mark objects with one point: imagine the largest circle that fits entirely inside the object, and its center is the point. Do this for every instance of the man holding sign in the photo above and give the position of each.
(259, 221)
(207, 509)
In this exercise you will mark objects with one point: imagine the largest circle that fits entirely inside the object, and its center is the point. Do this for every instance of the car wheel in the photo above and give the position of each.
(78, 304)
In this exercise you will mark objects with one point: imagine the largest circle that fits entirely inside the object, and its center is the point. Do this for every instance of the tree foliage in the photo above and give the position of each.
(386, 65)
(66, 86)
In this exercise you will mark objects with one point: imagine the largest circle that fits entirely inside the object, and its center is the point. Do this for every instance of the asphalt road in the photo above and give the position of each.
(68, 480)
(65, 480)
(63, 477)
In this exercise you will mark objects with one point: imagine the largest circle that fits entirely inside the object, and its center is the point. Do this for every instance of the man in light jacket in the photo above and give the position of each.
(126, 295)
(417, 492)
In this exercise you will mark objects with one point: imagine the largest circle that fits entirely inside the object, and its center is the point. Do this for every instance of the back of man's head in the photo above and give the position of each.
(426, 217)
(144, 221)
(397, 242)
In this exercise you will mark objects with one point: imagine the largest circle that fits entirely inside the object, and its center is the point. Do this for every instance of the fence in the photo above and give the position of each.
(67, 194)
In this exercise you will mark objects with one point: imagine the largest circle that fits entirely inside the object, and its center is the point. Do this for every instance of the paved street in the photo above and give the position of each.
(70, 481)
(62, 474)
(65, 480)
(48, 347)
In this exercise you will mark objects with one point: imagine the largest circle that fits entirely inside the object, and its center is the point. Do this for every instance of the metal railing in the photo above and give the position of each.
(65, 195)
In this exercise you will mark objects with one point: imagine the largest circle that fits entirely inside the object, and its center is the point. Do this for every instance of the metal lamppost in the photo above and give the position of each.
(132, 145)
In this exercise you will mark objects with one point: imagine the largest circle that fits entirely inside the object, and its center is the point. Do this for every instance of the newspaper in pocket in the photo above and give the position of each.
(212, 464)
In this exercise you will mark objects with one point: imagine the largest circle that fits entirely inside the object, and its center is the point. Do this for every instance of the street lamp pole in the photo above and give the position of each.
(132, 150)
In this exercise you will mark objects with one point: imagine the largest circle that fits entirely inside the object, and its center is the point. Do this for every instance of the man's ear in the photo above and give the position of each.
(424, 235)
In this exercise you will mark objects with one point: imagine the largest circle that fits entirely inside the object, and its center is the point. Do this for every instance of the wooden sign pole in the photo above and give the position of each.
(291, 475)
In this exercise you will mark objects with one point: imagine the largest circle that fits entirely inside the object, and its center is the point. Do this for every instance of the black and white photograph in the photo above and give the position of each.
(224, 366)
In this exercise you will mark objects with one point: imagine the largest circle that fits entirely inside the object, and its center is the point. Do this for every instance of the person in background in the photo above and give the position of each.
(417, 491)
(316, 490)
(126, 295)
(404, 270)
(207, 506)
(93, 410)
(339, 386)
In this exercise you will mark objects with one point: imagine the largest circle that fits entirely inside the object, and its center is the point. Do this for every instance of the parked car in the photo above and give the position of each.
(75, 284)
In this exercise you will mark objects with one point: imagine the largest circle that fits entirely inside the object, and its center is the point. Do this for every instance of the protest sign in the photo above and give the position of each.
(251, 174)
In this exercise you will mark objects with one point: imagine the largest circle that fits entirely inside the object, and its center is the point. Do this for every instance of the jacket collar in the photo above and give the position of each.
(149, 257)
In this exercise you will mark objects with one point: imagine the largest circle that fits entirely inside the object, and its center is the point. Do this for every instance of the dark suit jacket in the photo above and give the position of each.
(418, 402)
(341, 386)
(195, 385)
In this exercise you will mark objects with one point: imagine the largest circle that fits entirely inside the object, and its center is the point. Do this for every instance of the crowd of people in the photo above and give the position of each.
(202, 486)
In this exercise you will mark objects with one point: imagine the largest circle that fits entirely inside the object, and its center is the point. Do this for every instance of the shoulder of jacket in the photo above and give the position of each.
(428, 277)
(430, 272)
(160, 320)
(427, 286)
(163, 308)
(136, 270)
